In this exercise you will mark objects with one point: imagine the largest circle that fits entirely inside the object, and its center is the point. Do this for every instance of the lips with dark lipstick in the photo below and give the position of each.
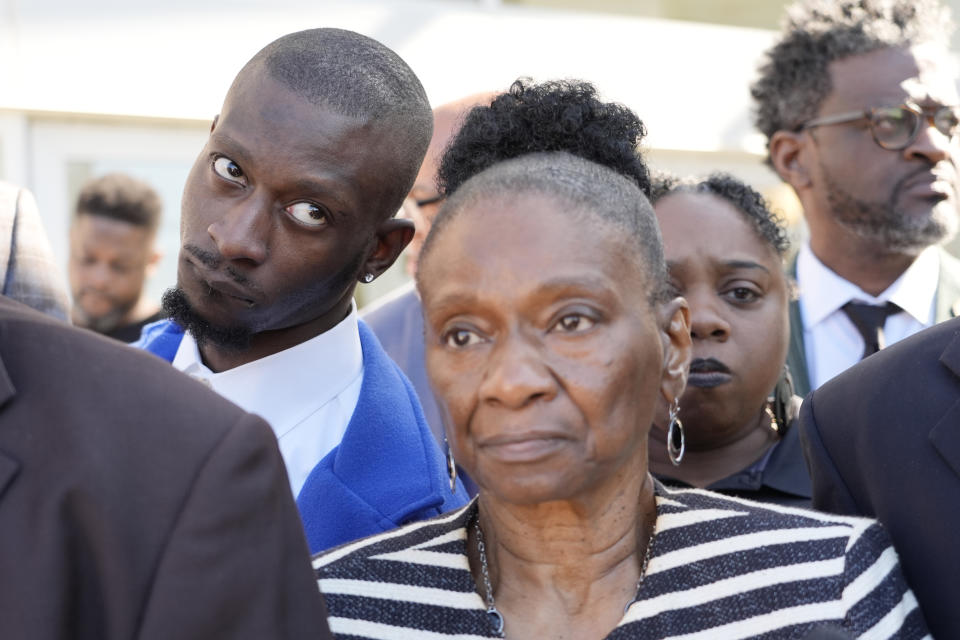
(707, 373)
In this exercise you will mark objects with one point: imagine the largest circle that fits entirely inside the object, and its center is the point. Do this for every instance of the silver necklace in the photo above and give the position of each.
(496, 618)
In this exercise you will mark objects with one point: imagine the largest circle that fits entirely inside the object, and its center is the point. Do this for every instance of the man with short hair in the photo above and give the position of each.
(859, 106)
(859, 103)
(288, 206)
(112, 254)
(398, 319)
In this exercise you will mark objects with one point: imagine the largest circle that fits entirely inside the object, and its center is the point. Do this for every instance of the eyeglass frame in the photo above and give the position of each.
(928, 114)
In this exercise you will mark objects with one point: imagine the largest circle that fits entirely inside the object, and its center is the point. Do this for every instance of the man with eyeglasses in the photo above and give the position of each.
(859, 104)
(860, 109)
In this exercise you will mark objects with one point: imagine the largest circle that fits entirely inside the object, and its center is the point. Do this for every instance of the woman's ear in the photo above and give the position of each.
(677, 349)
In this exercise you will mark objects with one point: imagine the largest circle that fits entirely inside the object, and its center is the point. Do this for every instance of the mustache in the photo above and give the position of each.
(941, 170)
(708, 365)
(214, 261)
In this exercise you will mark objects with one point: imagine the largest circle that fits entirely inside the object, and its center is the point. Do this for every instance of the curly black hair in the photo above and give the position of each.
(559, 115)
(794, 78)
(770, 226)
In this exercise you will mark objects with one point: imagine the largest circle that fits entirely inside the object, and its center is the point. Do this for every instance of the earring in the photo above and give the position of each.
(451, 467)
(368, 278)
(676, 442)
(778, 404)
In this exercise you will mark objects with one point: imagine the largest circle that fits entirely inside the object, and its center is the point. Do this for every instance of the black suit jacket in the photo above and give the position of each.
(883, 440)
(134, 503)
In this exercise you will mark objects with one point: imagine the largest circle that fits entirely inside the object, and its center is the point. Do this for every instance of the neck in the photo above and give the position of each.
(871, 267)
(702, 466)
(140, 311)
(565, 569)
(266, 343)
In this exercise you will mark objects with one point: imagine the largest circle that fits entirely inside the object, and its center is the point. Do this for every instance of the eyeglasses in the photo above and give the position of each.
(896, 128)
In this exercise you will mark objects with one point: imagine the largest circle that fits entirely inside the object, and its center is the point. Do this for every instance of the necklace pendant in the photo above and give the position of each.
(496, 619)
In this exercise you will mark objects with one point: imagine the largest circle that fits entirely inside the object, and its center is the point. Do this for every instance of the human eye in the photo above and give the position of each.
(947, 120)
(572, 323)
(309, 214)
(743, 293)
(460, 338)
(228, 170)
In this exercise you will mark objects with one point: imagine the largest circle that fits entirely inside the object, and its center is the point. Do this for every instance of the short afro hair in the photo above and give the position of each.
(588, 191)
(794, 78)
(121, 197)
(560, 115)
(358, 77)
(752, 206)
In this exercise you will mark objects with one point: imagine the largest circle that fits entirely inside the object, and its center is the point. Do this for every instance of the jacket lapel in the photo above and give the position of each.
(945, 435)
(948, 288)
(9, 466)
(797, 354)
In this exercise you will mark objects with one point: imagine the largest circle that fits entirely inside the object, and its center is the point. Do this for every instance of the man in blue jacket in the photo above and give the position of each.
(290, 204)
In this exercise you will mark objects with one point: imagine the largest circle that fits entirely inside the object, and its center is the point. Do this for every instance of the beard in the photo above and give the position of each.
(177, 308)
(101, 324)
(885, 225)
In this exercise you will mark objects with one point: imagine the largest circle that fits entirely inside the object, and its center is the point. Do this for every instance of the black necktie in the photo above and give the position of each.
(869, 320)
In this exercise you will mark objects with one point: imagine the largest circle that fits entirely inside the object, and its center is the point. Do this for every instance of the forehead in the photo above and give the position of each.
(705, 225)
(514, 244)
(891, 76)
(280, 137)
(101, 231)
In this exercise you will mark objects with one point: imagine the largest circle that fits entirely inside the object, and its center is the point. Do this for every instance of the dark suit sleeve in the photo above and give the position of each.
(830, 492)
(237, 547)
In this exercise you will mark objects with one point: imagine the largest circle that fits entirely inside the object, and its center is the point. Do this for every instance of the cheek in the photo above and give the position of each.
(765, 349)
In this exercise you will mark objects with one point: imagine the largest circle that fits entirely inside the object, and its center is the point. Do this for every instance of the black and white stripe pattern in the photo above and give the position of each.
(721, 568)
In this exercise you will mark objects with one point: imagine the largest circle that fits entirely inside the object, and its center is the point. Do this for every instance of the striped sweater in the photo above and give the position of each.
(721, 568)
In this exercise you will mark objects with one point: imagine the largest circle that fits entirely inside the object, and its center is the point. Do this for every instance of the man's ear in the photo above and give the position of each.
(393, 235)
(677, 349)
(787, 154)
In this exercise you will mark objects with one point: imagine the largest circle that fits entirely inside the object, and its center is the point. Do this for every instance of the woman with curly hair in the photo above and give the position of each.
(550, 342)
(724, 250)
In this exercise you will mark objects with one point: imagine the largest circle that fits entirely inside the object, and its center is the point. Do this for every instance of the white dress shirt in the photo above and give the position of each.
(832, 342)
(307, 393)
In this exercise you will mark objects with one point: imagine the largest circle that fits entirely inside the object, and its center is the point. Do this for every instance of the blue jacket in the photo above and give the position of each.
(387, 470)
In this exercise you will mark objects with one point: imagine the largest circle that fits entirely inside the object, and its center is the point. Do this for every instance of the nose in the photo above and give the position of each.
(243, 232)
(930, 143)
(98, 276)
(706, 320)
(517, 376)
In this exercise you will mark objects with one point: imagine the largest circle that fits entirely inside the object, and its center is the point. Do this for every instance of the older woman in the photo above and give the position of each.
(550, 343)
(724, 251)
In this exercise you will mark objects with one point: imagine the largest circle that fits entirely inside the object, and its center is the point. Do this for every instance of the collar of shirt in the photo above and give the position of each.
(286, 387)
(914, 291)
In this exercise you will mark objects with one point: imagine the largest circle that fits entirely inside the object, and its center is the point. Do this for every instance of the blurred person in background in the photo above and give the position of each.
(288, 206)
(397, 318)
(859, 105)
(724, 250)
(28, 272)
(551, 340)
(112, 253)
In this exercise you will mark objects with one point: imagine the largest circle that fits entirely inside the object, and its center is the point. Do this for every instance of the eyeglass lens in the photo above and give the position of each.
(897, 127)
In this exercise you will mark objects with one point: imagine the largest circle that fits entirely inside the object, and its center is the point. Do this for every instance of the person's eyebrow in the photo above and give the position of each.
(730, 264)
(745, 264)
